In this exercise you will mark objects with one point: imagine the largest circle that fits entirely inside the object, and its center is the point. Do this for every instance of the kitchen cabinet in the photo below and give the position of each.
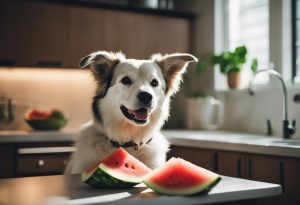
(200, 157)
(266, 169)
(272, 169)
(6, 161)
(37, 34)
(87, 32)
(291, 181)
(44, 34)
(34, 159)
(232, 164)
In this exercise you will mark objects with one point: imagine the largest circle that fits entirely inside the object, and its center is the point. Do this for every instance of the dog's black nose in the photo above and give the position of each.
(145, 97)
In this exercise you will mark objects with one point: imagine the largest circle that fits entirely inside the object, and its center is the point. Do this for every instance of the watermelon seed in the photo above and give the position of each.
(126, 165)
(116, 162)
(132, 167)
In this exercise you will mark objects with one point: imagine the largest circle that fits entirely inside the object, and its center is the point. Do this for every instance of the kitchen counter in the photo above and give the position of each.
(221, 140)
(37, 136)
(232, 141)
(59, 190)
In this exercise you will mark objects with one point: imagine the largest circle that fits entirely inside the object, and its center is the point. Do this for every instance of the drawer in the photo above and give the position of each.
(41, 161)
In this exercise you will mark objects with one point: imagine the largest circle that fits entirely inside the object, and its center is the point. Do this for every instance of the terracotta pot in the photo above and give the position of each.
(234, 80)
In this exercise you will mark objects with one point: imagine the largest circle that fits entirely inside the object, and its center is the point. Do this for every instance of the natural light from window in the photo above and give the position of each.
(248, 24)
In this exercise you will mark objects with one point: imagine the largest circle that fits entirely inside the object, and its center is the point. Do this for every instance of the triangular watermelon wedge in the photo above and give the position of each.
(180, 177)
(119, 169)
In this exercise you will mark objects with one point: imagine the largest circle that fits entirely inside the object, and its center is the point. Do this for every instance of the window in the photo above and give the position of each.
(296, 40)
(246, 22)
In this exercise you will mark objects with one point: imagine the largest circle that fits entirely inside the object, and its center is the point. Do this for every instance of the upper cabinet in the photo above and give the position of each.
(43, 34)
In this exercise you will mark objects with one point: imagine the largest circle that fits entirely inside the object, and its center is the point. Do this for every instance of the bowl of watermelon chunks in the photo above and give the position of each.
(176, 177)
(45, 120)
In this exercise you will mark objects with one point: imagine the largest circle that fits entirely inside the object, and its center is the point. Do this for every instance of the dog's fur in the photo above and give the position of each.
(113, 92)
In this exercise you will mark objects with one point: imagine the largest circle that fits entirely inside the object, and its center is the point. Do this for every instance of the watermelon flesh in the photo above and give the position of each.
(180, 177)
(120, 169)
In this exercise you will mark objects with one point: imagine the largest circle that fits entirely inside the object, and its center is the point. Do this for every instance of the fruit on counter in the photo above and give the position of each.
(45, 120)
(180, 177)
(119, 169)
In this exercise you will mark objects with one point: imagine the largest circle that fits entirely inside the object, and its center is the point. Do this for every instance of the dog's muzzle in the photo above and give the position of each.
(139, 116)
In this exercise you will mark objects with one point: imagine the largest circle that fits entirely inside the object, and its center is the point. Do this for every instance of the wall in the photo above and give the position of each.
(69, 90)
(203, 43)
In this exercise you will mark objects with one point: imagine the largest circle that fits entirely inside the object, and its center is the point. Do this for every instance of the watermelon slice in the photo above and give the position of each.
(120, 169)
(180, 177)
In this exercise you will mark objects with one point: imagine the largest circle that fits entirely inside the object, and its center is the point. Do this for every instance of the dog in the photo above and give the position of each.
(130, 107)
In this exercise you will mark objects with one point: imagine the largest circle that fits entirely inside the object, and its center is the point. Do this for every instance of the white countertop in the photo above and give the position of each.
(232, 141)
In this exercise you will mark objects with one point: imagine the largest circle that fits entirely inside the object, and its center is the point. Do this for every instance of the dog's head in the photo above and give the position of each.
(135, 91)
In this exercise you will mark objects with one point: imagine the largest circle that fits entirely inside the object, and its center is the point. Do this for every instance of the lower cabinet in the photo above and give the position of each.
(34, 159)
(265, 168)
(200, 157)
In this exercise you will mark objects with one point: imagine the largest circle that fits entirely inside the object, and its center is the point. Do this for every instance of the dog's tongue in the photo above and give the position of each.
(140, 114)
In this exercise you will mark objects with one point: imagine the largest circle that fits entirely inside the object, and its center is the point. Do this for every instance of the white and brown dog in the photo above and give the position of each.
(130, 107)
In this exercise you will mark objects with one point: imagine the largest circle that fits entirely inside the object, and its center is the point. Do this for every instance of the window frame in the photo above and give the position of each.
(295, 77)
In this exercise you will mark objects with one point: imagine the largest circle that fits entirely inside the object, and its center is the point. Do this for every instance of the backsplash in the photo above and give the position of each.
(249, 114)
(69, 90)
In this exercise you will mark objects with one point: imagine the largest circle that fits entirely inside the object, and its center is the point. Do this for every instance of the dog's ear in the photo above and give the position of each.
(173, 66)
(102, 64)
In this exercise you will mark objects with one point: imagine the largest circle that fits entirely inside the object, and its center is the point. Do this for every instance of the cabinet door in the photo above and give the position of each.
(6, 161)
(232, 164)
(200, 157)
(87, 32)
(42, 34)
(291, 181)
(123, 33)
(266, 169)
(164, 35)
(7, 34)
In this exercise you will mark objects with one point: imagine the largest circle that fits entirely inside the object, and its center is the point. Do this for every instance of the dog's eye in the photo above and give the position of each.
(126, 81)
(154, 83)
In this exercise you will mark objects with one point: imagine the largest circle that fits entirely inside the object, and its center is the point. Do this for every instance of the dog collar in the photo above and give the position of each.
(129, 144)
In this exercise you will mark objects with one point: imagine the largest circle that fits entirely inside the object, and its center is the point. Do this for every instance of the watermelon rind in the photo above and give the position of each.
(100, 178)
(121, 176)
(185, 191)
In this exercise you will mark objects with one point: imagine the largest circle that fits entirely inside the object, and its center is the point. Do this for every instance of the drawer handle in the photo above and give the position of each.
(45, 150)
(40, 163)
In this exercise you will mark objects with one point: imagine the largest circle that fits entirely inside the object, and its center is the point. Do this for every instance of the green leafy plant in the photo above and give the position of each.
(228, 61)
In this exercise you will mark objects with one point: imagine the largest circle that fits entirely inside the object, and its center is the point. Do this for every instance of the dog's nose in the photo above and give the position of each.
(145, 97)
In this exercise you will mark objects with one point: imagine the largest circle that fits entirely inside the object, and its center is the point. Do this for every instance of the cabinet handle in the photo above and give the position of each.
(49, 63)
(239, 168)
(250, 167)
(7, 62)
(281, 172)
(45, 150)
(40, 163)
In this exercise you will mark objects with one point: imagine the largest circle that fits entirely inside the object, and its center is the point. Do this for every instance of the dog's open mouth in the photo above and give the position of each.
(139, 116)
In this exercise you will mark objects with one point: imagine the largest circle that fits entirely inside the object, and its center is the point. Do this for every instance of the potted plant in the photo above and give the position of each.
(231, 64)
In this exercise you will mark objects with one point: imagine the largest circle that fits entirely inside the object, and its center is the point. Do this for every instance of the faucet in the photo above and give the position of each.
(288, 129)
(6, 110)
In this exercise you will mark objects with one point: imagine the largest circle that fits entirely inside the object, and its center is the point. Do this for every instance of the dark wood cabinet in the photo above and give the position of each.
(291, 181)
(7, 159)
(265, 168)
(34, 159)
(37, 34)
(232, 164)
(87, 33)
(200, 157)
(44, 34)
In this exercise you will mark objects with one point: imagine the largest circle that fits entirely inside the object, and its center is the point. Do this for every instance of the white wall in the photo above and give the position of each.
(69, 90)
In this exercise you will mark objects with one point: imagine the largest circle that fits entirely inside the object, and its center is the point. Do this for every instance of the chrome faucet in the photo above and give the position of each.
(288, 129)
(6, 110)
